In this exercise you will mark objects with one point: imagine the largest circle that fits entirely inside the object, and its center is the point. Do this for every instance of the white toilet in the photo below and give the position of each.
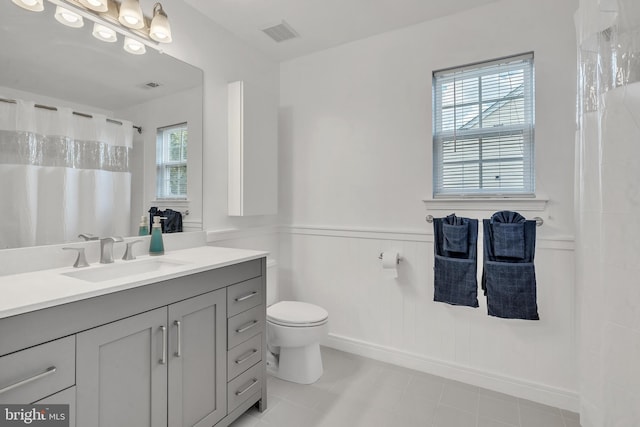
(294, 331)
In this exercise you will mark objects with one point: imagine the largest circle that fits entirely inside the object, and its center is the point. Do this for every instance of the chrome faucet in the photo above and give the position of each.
(106, 248)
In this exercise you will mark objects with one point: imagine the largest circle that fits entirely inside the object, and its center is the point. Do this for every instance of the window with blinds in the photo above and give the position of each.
(483, 128)
(171, 162)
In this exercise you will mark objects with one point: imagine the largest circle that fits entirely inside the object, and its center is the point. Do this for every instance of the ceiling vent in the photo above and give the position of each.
(281, 32)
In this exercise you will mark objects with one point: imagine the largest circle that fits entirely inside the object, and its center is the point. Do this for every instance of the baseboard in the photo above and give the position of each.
(564, 399)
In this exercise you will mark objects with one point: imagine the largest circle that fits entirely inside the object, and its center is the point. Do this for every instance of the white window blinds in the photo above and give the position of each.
(483, 128)
(171, 162)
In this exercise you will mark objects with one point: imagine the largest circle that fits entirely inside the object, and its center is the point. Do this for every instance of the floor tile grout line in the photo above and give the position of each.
(433, 422)
(478, 410)
(519, 413)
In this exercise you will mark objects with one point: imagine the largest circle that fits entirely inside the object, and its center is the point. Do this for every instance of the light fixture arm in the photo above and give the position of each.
(157, 8)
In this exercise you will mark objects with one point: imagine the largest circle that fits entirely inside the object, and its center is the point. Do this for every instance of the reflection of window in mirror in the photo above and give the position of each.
(171, 160)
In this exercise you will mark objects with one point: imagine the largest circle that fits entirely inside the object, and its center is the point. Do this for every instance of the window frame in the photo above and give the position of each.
(163, 164)
(440, 137)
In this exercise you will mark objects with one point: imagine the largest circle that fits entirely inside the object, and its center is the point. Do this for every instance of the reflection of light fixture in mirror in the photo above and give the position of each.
(111, 17)
(97, 5)
(160, 30)
(104, 33)
(32, 5)
(134, 46)
(131, 14)
(68, 18)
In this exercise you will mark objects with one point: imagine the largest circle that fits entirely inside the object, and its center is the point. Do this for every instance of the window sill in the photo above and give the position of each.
(173, 202)
(519, 204)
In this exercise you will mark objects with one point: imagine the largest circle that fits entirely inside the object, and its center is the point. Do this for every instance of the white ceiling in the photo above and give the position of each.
(322, 23)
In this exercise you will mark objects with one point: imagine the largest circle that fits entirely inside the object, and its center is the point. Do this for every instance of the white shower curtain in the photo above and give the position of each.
(608, 212)
(62, 175)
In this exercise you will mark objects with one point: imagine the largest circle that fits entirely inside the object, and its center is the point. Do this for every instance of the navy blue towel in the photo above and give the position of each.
(508, 276)
(172, 222)
(455, 265)
(456, 237)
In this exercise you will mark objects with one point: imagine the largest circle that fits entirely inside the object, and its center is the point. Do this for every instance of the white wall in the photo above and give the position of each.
(355, 164)
(11, 93)
(182, 107)
(223, 58)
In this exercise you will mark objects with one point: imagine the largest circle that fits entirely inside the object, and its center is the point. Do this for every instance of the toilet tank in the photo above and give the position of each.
(272, 282)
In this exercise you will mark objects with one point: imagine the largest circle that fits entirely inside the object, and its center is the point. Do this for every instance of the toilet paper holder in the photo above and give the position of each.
(399, 257)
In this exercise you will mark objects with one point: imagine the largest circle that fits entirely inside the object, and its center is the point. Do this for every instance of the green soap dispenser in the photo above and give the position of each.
(156, 247)
(144, 226)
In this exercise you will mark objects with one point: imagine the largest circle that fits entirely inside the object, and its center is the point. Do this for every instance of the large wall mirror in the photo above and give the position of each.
(46, 63)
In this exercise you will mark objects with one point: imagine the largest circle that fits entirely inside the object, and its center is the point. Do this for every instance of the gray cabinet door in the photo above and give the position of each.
(197, 360)
(121, 372)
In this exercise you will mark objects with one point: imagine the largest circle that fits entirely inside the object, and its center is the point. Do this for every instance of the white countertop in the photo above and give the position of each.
(21, 293)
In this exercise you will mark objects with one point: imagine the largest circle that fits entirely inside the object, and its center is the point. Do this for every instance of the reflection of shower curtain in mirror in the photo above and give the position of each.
(62, 174)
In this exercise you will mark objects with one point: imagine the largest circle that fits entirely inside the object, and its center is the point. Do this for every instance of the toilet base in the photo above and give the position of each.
(302, 365)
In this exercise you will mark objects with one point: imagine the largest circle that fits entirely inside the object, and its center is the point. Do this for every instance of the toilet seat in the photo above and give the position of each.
(296, 314)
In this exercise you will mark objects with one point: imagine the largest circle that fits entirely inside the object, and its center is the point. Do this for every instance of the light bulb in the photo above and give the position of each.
(160, 30)
(95, 5)
(68, 18)
(104, 33)
(131, 14)
(134, 46)
(131, 20)
(32, 5)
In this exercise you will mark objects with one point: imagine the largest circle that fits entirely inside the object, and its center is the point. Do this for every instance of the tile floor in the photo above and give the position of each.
(359, 392)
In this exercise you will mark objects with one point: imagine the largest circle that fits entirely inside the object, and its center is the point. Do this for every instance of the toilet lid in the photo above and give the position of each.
(296, 313)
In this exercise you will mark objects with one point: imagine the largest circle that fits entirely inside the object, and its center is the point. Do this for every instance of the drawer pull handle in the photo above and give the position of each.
(248, 355)
(246, 297)
(179, 350)
(163, 360)
(246, 389)
(247, 327)
(50, 370)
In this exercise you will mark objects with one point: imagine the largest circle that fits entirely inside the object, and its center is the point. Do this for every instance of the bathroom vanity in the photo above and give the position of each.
(180, 344)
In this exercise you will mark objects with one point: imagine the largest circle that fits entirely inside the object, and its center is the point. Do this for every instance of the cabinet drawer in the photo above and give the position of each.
(243, 296)
(65, 397)
(244, 386)
(245, 325)
(37, 372)
(243, 356)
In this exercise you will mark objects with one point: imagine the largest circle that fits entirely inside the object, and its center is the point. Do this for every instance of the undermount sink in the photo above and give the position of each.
(118, 270)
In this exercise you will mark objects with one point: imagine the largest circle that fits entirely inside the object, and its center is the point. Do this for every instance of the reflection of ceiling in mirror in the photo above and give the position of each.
(40, 55)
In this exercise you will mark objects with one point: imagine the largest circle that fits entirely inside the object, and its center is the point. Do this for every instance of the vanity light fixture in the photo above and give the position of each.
(134, 46)
(131, 14)
(111, 17)
(160, 30)
(68, 18)
(103, 33)
(32, 5)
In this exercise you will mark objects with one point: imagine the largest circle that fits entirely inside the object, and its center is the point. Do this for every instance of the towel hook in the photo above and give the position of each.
(429, 218)
(539, 221)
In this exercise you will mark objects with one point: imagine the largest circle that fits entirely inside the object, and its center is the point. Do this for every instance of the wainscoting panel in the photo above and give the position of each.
(397, 320)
